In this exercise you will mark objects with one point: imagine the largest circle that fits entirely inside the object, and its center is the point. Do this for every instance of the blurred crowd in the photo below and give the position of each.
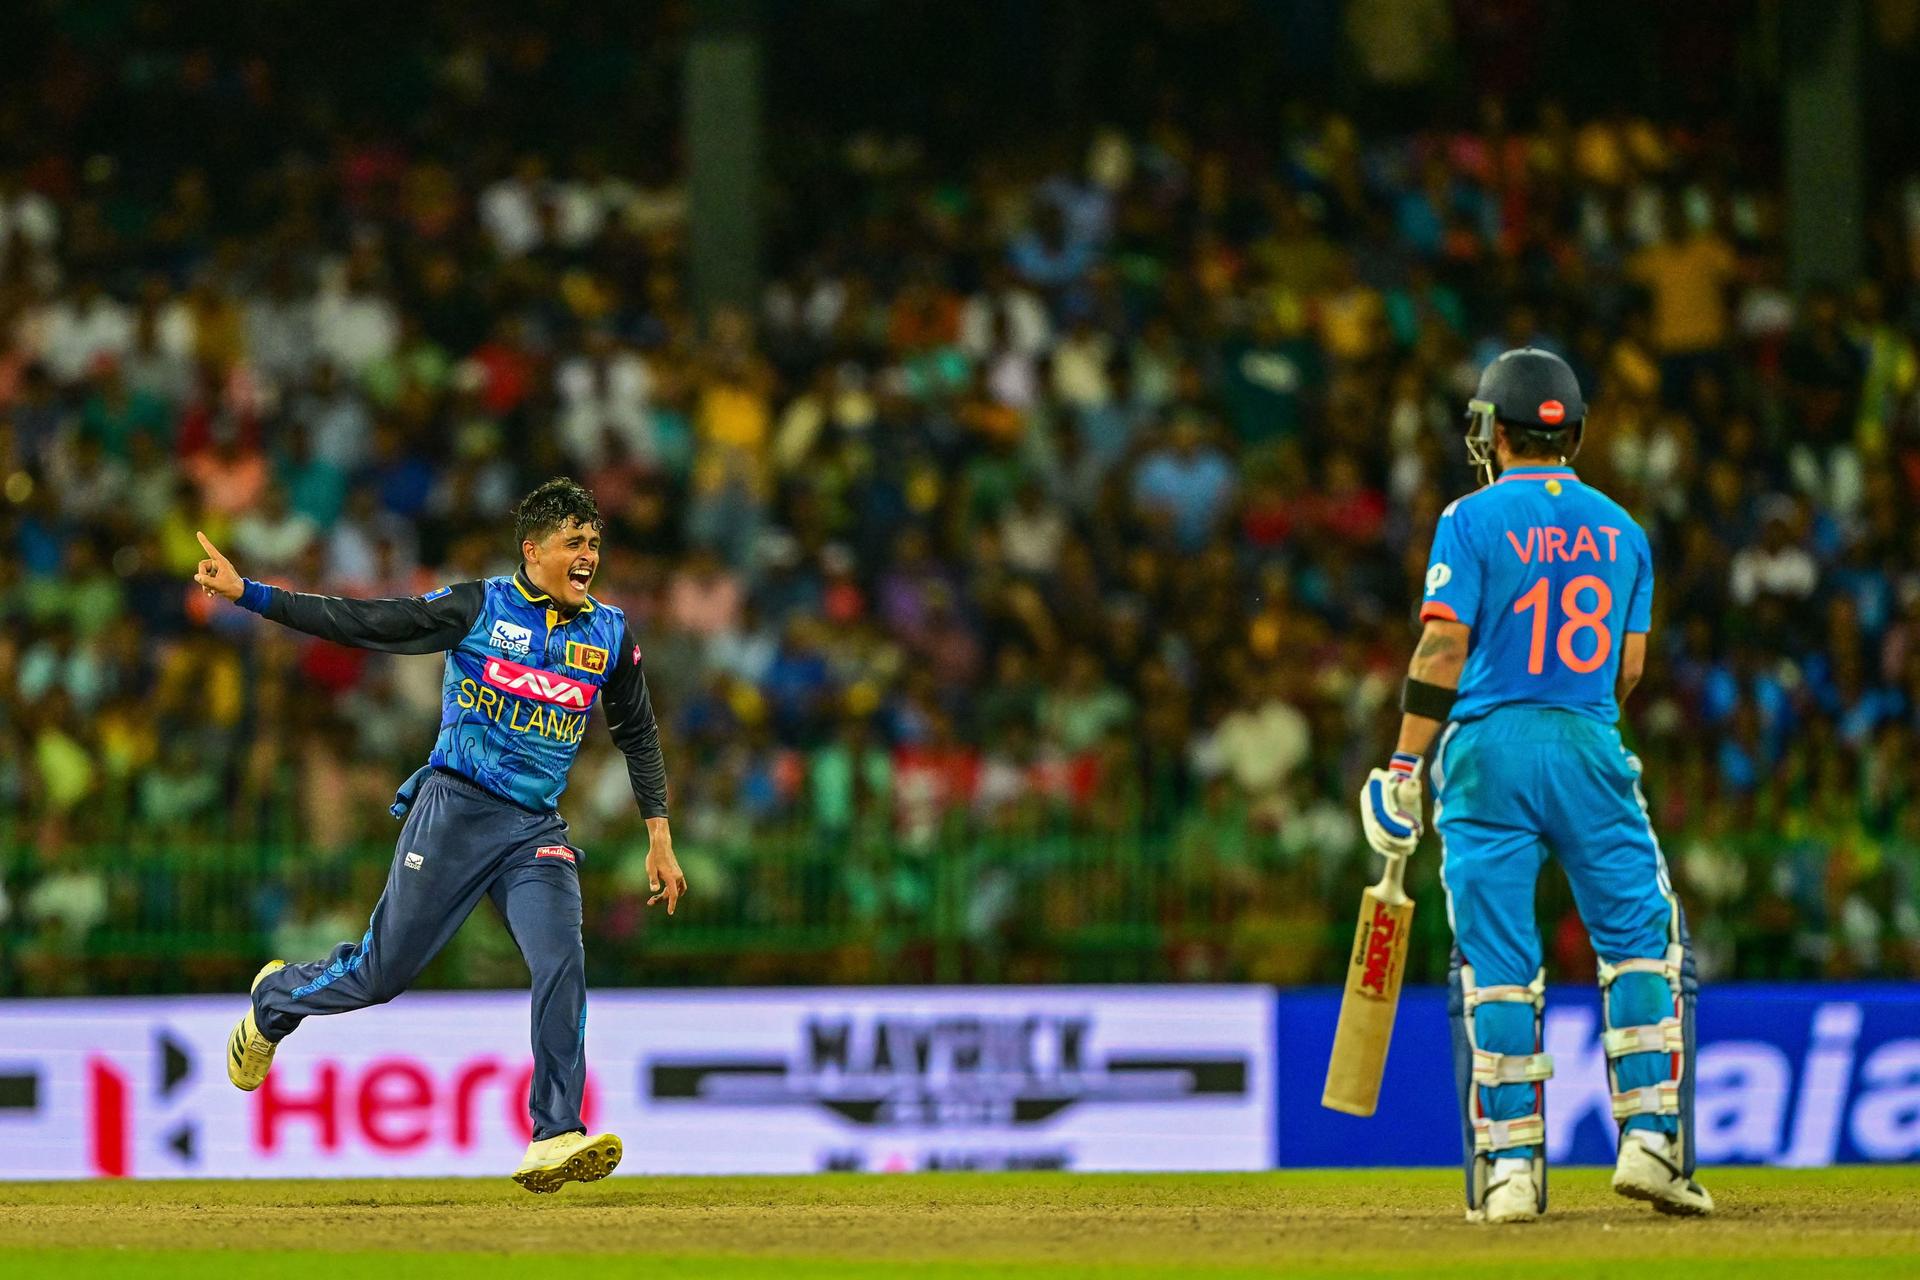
(1034, 562)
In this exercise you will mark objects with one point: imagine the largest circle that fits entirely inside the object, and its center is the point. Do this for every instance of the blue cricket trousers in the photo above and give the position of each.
(461, 842)
(1509, 789)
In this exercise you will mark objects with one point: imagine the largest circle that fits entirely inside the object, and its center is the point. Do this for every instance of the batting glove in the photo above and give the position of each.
(1390, 806)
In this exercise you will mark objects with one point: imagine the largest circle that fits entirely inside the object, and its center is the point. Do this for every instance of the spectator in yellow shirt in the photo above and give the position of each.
(1688, 274)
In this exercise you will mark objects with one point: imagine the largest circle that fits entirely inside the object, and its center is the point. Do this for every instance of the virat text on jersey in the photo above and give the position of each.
(1549, 542)
(1550, 574)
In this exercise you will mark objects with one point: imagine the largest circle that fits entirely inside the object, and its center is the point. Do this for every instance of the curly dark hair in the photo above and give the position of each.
(556, 504)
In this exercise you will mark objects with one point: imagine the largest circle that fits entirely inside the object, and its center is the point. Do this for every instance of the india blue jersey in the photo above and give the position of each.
(1551, 576)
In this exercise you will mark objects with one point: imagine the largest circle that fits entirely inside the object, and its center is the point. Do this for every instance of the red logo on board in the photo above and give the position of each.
(1552, 411)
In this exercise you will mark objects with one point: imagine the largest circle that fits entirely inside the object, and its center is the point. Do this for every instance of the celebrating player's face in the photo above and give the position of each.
(563, 563)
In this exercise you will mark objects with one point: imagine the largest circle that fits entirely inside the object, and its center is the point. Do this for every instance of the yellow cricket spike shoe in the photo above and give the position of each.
(250, 1054)
(572, 1157)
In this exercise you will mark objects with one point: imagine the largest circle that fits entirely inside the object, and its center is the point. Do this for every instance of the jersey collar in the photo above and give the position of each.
(533, 595)
(527, 589)
(1538, 471)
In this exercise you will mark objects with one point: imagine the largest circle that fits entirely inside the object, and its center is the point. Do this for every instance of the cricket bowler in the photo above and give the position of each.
(527, 655)
(1539, 596)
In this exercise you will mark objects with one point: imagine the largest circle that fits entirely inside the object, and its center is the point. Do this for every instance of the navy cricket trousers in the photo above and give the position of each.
(459, 843)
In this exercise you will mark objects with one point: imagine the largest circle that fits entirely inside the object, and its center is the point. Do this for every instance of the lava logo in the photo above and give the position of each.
(511, 638)
(1379, 958)
(541, 686)
(957, 1071)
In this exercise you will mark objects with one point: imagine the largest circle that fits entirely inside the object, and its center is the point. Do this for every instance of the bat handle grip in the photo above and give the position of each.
(1392, 886)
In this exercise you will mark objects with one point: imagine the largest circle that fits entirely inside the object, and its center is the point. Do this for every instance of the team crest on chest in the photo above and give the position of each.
(587, 657)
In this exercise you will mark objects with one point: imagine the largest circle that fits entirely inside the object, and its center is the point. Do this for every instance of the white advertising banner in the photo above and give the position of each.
(771, 1081)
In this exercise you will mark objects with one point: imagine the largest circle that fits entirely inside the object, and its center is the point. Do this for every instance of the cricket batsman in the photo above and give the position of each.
(1538, 600)
(527, 656)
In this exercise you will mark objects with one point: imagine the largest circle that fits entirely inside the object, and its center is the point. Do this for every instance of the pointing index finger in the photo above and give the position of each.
(211, 549)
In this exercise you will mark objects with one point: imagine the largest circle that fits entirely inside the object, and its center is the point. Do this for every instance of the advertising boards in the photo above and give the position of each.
(774, 1081)
(900, 1079)
(1788, 1075)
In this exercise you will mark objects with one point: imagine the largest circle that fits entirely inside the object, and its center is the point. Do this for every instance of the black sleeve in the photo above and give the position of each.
(431, 623)
(635, 731)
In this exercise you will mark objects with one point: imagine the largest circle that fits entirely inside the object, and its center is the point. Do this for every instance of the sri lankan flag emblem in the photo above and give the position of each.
(587, 657)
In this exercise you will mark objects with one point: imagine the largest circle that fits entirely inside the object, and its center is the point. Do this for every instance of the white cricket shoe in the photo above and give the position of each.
(1511, 1193)
(572, 1157)
(249, 1053)
(1647, 1171)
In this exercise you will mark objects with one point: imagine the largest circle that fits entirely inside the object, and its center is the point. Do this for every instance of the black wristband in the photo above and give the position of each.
(1434, 701)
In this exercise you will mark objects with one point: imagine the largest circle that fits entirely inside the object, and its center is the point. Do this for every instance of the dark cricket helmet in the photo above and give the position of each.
(1529, 390)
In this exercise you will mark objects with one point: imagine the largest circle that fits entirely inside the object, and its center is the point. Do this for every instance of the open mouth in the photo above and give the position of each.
(580, 577)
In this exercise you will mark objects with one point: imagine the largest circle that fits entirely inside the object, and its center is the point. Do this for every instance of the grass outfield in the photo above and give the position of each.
(1857, 1221)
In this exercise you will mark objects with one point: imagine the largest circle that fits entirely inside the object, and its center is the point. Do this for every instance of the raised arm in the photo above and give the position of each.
(636, 732)
(405, 624)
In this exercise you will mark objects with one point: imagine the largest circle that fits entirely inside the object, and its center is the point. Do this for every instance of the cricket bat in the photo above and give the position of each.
(1372, 995)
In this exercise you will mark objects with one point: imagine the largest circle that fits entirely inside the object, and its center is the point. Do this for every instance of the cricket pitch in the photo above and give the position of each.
(1851, 1221)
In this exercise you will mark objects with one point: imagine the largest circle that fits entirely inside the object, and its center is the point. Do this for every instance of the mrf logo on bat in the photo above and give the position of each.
(1372, 995)
(1375, 955)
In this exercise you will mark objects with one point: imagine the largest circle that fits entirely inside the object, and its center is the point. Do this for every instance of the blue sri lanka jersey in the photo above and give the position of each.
(521, 678)
(517, 689)
(1551, 575)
